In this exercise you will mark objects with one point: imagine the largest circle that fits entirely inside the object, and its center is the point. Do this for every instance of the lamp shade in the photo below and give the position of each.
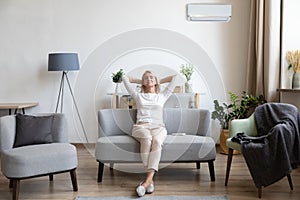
(63, 62)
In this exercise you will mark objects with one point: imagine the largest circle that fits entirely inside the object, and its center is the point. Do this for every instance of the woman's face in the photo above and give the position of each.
(149, 79)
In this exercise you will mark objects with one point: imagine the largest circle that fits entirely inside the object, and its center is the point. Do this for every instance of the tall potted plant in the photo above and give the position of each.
(240, 107)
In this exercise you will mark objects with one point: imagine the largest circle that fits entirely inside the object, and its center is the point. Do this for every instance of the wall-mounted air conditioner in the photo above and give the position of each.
(208, 12)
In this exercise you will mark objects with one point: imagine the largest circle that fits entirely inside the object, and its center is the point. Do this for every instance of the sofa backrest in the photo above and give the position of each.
(177, 120)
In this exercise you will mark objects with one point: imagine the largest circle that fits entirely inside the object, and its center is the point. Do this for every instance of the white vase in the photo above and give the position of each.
(188, 87)
(118, 89)
(296, 80)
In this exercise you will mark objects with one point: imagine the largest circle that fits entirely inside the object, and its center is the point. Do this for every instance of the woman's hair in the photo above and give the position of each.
(157, 87)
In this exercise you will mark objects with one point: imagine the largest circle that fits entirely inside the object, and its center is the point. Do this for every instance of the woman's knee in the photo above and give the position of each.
(156, 143)
(145, 141)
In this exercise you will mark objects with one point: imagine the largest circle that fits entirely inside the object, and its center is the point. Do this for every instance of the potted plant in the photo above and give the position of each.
(293, 57)
(187, 70)
(240, 107)
(117, 78)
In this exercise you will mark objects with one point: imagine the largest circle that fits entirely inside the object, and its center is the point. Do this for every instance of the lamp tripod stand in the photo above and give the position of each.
(61, 97)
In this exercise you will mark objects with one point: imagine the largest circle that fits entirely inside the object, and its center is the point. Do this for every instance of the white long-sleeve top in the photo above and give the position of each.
(150, 105)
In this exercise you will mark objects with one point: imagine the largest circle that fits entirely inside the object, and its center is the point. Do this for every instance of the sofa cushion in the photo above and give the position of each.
(33, 130)
(175, 148)
(122, 148)
(188, 148)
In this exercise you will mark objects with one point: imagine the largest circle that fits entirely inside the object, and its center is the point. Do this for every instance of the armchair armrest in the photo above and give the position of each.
(7, 132)
(246, 126)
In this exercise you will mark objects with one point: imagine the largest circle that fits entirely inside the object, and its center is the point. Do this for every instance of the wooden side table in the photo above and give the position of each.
(16, 106)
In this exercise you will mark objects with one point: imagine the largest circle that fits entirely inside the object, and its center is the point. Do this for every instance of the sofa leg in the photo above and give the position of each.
(50, 177)
(111, 166)
(100, 171)
(198, 165)
(10, 183)
(16, 189)
(74, 180)
(229, 161)
(211, 170)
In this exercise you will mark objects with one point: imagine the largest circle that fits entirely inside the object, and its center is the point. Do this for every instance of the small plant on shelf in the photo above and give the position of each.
(293, 57)
(117, 77)
(187, 70)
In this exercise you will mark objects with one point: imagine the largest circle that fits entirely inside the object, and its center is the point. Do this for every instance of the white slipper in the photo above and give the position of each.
(150, 188)
(140, 190)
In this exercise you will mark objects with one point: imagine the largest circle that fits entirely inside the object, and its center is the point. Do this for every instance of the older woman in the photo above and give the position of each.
(149, 129)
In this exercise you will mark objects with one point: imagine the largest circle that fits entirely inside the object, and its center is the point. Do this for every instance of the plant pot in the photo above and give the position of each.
(296, 80)
(224, 135)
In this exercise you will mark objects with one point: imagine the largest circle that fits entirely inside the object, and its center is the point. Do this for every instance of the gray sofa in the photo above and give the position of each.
(116, 145)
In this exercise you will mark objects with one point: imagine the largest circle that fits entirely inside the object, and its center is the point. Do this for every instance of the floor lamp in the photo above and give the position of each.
(65, 62)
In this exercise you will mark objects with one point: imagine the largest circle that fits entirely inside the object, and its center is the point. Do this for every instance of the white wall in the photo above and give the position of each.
(30, 29)
(290, 41)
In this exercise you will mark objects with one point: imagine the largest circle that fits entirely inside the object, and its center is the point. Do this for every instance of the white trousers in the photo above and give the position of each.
(151, 138)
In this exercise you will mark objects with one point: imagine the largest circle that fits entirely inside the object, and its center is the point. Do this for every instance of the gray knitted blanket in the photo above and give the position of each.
(276, 151)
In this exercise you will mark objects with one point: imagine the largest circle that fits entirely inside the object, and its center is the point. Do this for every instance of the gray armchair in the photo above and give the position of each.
(33, 146)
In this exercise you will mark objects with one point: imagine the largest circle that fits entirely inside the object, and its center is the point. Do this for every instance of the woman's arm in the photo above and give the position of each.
(135, 80)
(126, 80)
(171, 86)
(166, 79)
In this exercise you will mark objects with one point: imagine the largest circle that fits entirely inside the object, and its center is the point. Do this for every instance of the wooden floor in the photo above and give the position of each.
(176, 179)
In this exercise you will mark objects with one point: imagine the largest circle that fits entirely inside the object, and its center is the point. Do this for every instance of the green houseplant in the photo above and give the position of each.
(117, 78)
(240, 107)
(187, 70)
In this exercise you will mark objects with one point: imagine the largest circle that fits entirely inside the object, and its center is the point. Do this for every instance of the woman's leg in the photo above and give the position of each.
(149, 178)
(143, 135)
(151, 140)
(145, 147)
(159, 135)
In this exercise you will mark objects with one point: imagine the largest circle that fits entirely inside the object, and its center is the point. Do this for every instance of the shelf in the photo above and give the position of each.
(124, 100)
(289, 90)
